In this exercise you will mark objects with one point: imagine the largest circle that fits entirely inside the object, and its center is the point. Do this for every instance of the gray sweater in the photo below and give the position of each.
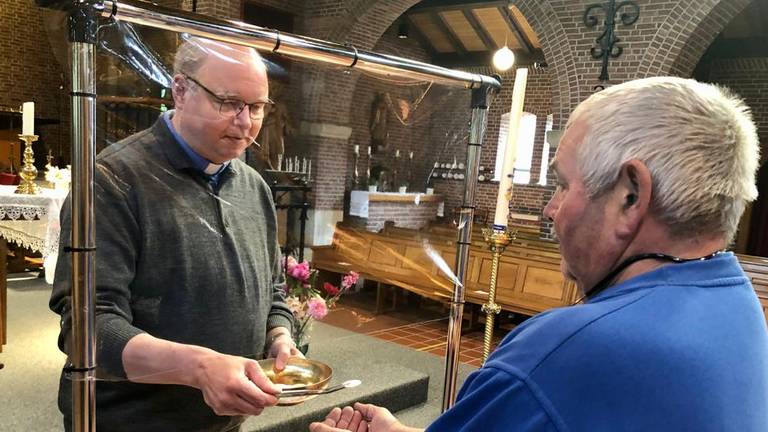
(178, 260)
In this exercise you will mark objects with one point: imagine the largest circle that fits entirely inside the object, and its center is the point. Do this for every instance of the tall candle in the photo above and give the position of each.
(357, 149)
(410, 156)
(28, 118)
(510, 151)
(369, 150)
(397, 153)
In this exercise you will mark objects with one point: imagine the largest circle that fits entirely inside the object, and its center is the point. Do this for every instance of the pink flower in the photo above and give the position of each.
(349, 279)
(289, 265)
(330, 289)
(300, 271)
(317, 308)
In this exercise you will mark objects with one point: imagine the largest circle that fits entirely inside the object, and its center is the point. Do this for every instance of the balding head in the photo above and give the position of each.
(195, 51)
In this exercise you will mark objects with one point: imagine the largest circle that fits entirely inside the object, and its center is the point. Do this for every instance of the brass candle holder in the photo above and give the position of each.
(28, 172)
(355, 174)
(498, 240)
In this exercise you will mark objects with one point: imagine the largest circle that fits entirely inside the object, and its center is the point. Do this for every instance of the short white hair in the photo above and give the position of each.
(698, 141)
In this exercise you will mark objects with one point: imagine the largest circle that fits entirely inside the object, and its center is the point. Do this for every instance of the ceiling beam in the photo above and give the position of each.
(438, 20)
(446, 5)
(488, 41)
(504, 11)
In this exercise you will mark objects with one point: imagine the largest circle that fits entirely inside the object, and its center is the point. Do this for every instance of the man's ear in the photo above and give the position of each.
(179, 91)
(633, 190)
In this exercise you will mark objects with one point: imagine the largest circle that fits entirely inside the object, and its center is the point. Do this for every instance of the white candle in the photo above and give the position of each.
(357, 149)
(369, 150)
(410, 156)
(397, 153)
(510, 151)
(28, 119)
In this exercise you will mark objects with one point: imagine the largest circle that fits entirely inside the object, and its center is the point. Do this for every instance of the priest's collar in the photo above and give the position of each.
(200, 163)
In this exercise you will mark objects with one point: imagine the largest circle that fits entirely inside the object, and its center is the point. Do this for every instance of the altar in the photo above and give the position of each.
(31, 221)
(370, 210)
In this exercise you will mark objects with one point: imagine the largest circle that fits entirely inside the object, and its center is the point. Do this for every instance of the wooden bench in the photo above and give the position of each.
(757, 270)
(529, 279)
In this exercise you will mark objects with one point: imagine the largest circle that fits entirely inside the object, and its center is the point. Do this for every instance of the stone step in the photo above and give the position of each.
(392, 386)
(387, 379)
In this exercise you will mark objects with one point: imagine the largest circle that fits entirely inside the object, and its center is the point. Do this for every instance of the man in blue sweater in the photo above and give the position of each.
(653, 176)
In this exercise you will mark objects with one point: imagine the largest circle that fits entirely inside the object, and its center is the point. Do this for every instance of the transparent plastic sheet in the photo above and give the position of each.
(188, 260)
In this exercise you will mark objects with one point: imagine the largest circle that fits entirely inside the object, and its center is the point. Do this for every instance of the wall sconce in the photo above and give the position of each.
(402, 30)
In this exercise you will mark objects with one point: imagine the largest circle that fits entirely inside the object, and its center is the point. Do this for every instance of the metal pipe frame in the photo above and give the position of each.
(83, 353)
(464, 241)
(82, 356)
(294, 46)
(314, 50)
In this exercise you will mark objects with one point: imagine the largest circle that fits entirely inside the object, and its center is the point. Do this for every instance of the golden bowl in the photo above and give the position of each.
(298, 373)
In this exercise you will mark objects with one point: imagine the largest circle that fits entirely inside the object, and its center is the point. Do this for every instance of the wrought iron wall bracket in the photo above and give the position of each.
(607, 41)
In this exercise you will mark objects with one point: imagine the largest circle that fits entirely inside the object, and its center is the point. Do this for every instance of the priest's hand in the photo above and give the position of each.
(235, 385)
(230, 385)
(281, 348)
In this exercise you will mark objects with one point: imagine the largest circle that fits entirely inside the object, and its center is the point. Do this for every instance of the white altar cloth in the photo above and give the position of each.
(32, 221)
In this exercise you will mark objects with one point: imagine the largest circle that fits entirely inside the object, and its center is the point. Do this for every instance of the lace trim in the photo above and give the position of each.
(14, 212)
(25, 240)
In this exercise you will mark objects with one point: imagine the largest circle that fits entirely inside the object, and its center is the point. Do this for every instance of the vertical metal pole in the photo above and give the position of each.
(476, 132)
(82, 36)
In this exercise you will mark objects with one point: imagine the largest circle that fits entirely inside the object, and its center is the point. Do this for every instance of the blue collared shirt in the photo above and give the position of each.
(683, 347)
(202, 164)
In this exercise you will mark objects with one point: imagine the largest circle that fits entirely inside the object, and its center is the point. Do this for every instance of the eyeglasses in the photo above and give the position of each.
(233, 107)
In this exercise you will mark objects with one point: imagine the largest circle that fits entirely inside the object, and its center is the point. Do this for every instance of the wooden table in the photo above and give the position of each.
(31, 221)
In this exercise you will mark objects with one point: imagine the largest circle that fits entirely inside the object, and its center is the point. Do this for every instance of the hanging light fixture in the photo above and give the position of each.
(503, 59)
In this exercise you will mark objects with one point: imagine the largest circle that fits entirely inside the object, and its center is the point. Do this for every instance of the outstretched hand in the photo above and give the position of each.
(361, 418)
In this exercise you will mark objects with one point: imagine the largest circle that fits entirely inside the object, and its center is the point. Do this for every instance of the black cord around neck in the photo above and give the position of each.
(606, 281)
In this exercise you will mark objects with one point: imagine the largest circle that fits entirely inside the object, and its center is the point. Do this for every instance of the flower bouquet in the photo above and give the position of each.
(307, 301)
(59, 177)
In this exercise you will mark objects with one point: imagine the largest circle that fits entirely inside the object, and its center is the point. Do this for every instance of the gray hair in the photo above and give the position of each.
(193, 52)
(698, 141)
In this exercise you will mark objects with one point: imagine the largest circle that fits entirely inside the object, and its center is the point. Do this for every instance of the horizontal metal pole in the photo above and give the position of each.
(290, 45)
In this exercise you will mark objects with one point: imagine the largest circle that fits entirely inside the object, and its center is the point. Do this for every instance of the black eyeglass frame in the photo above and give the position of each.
(255, 107)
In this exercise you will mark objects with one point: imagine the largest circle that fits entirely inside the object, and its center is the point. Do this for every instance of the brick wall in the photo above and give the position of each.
(526, 199)
(407, 134)
(669, 38)
(404, 216)
(748, 77)
(30, 71)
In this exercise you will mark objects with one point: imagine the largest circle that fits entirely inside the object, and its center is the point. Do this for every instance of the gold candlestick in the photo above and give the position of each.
(28, 171)
(498, 240)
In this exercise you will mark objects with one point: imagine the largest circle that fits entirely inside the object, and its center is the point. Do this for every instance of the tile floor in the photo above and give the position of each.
(417, 324)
